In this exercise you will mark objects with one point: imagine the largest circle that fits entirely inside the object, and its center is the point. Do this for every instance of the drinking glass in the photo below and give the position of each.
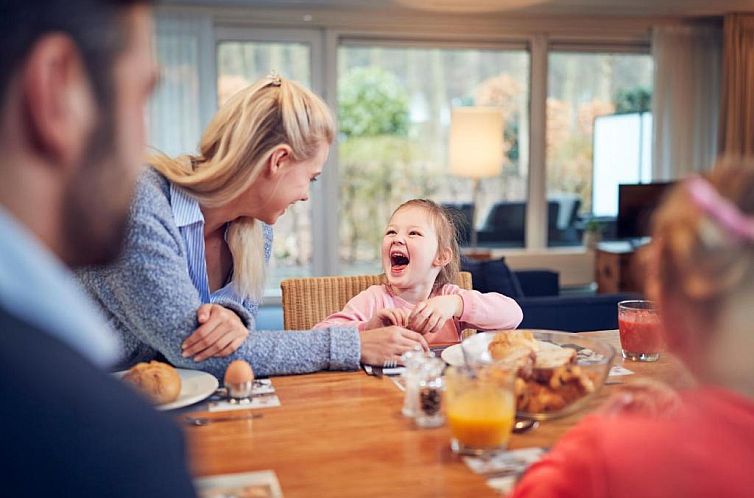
(640, 334)
(480, 408)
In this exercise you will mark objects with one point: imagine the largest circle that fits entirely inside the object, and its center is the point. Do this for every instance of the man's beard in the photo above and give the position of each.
(95, 207)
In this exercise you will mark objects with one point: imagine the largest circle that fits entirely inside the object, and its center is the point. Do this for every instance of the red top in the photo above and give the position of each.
(705, 450)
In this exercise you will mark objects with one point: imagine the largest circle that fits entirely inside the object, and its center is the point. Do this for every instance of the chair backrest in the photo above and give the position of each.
(308, 301)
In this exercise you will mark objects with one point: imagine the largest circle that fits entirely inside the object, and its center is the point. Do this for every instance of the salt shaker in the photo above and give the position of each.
(413, 361)
(429, 413)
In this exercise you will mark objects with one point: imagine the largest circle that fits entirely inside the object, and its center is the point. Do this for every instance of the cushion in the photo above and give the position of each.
(493, 276)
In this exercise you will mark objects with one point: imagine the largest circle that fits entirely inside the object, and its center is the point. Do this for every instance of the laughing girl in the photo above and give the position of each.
(420, 258)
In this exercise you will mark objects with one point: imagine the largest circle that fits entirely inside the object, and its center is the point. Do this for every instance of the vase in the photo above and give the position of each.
(591, 239)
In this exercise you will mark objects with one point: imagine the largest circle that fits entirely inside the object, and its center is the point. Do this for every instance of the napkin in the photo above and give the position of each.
(619, 370)
(262, 484)
(263, 396)
(503, 469)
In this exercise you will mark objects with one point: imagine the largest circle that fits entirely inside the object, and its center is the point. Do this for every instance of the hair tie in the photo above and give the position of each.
(727, 214)
(275, 78)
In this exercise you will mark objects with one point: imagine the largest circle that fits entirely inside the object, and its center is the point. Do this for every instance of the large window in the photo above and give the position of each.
(589, 128)
(394, 108)
(239, 64)
(581, 88)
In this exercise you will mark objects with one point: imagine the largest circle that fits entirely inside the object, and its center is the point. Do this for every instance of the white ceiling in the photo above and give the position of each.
(683, 8)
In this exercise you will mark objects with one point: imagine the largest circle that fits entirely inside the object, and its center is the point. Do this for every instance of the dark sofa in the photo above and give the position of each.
(538, 294)
(505, 223)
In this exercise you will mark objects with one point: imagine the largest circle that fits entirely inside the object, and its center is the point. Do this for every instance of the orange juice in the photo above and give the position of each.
(482, 418)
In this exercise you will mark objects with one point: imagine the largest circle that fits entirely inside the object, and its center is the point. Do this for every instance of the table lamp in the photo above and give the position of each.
(475, 149)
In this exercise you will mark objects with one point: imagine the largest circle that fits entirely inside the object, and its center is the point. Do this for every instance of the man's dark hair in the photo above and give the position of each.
(96, 26)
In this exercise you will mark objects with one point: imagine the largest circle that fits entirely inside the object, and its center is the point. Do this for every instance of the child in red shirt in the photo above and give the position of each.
(701, 275)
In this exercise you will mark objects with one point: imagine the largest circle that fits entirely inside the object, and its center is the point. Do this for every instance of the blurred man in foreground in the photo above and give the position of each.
(75, 76)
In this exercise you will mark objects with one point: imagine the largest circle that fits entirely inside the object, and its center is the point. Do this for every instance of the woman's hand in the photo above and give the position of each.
(388, 344)
(430, 315)
(386, 317)
(221, 332)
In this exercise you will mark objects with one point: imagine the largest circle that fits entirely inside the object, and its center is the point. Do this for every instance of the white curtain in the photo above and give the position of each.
(686, 99)
(178, 108)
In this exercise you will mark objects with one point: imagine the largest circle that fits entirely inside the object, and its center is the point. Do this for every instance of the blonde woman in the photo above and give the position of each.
(189, 282)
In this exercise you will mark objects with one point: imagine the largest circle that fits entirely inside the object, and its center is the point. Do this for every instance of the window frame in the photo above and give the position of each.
(573, 47)
(325, 42)
(314, 39)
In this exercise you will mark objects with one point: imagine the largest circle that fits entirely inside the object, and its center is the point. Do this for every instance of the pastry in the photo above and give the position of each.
(506, 342)
(547, 378)
(159, 381)
(549, 360)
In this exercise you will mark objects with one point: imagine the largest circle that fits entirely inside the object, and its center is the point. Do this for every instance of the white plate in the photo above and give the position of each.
(195, 386)
(453, 355)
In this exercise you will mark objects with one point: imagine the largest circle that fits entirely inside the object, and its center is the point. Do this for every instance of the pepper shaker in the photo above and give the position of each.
(431, 387)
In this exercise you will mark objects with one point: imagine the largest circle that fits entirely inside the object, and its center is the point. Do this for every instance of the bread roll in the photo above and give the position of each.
(548, 378)
(549, 360)
(504, 343)
(159, 381)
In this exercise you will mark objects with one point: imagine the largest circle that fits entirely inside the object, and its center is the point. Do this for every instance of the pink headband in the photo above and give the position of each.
(721, 209)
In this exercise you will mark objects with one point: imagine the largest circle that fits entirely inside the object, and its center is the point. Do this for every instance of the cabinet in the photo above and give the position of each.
(617, 268)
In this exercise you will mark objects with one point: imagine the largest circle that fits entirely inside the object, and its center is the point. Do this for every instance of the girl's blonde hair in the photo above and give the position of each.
(700, 259)
(447, 238)
(233, 151)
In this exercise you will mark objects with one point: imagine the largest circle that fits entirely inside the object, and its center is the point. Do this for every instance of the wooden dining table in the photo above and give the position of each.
(342, 434)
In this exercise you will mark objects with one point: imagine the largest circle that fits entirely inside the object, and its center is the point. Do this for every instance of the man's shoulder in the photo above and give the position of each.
(84, 430)
(34, 363)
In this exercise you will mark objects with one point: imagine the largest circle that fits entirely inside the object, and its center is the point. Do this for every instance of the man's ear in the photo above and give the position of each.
(279, 158)
(443, 257)
(58, 100)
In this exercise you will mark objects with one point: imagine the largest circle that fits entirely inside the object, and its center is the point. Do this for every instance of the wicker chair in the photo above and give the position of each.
(308, 301)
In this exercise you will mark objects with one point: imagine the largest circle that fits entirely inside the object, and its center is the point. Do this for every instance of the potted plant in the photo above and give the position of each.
(592, 233)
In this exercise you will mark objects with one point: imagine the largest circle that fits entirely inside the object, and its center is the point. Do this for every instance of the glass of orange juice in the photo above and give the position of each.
(480, 408)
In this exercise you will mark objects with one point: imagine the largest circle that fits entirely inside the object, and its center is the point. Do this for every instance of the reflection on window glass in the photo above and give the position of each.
(394, 107)
(242, 63)
(581, 88)
(239, 65)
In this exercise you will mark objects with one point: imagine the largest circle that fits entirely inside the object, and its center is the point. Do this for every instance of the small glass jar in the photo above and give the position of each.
(412, 375)
(430, 413)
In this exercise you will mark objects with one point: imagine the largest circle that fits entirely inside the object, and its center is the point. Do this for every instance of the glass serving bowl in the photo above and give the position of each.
(593, 356)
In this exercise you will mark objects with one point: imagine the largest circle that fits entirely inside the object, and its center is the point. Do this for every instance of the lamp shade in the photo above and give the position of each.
(475, 148)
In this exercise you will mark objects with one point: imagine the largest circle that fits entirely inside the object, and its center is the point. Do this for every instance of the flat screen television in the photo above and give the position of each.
(636, 204)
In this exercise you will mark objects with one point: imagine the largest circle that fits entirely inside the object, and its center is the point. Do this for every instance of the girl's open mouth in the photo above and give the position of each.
(398, 261)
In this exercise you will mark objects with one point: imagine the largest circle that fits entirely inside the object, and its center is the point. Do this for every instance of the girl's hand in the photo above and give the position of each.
(221, 332)
(386, 317)
(429, 316)
(388, 344)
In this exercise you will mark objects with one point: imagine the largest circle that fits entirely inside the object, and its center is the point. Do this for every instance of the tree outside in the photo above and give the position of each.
(582, 87)
(393, 111)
